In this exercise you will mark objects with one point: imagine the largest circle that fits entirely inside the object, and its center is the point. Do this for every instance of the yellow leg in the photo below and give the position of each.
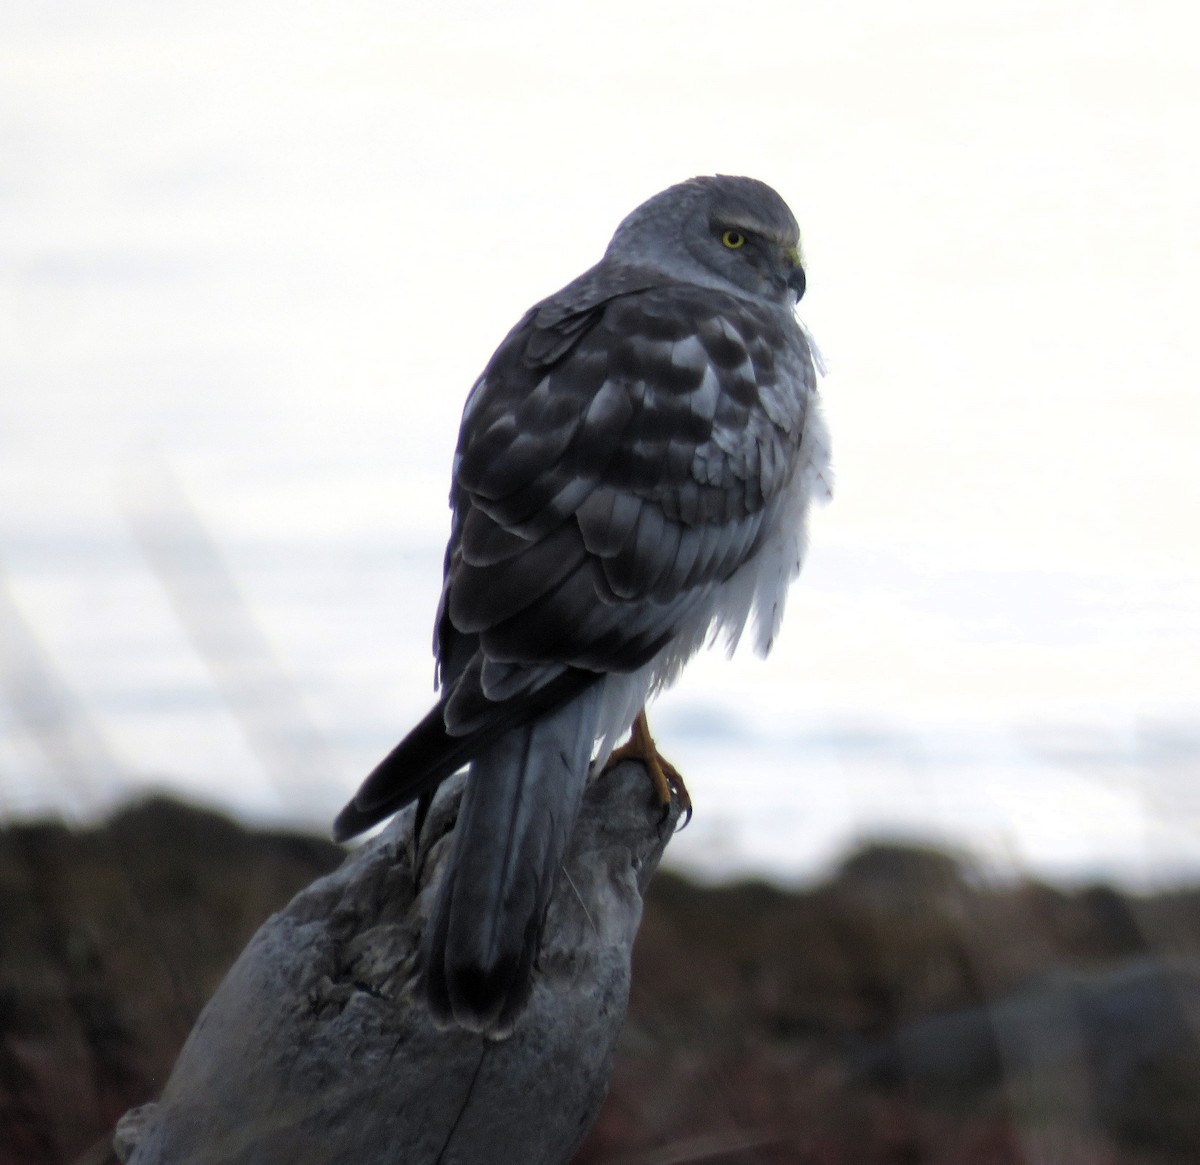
(664, 776)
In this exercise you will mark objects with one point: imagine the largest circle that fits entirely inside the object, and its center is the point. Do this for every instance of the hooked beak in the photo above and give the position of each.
(796, 281)
(795, 275)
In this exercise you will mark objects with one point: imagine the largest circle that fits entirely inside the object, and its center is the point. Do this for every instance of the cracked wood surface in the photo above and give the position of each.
(318, 1048)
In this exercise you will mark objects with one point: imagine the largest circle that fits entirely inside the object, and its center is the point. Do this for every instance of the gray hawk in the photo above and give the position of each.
(632, 478)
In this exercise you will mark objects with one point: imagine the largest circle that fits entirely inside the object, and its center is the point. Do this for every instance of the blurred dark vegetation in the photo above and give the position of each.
(902, 1011)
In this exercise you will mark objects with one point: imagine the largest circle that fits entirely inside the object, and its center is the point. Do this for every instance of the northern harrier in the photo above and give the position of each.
(632, 478)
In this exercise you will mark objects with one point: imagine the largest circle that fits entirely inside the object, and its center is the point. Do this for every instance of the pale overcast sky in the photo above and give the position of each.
(268, 247)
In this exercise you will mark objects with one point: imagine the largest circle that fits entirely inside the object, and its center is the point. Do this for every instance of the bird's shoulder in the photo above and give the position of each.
(632, 311)
(637, 363)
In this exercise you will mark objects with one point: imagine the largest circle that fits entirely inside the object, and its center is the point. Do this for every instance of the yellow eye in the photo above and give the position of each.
(733, 239)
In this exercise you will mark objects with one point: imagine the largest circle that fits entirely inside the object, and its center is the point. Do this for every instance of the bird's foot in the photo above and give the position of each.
(664, 776)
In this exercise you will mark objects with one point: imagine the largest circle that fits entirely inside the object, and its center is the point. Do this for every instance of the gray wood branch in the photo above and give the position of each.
(317, 1048)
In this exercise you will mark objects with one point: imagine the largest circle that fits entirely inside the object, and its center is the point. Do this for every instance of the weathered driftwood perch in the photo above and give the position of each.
(317, 1047)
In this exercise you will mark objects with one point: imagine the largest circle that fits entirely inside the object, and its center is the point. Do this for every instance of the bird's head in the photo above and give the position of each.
(717, 231)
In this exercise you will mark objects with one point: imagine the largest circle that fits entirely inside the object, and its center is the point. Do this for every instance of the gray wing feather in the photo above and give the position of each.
(606, 518)
(607, 479)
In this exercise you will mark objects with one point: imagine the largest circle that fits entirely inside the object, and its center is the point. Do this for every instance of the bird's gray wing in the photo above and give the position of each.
(618, 458)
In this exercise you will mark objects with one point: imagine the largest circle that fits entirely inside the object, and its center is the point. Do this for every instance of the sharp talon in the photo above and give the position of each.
(664, 776)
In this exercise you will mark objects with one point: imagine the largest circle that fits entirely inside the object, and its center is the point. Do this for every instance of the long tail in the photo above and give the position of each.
(517, 814)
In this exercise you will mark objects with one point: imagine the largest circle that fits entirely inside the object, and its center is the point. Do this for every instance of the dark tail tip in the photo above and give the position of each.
(350, 822)
(484, 999)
